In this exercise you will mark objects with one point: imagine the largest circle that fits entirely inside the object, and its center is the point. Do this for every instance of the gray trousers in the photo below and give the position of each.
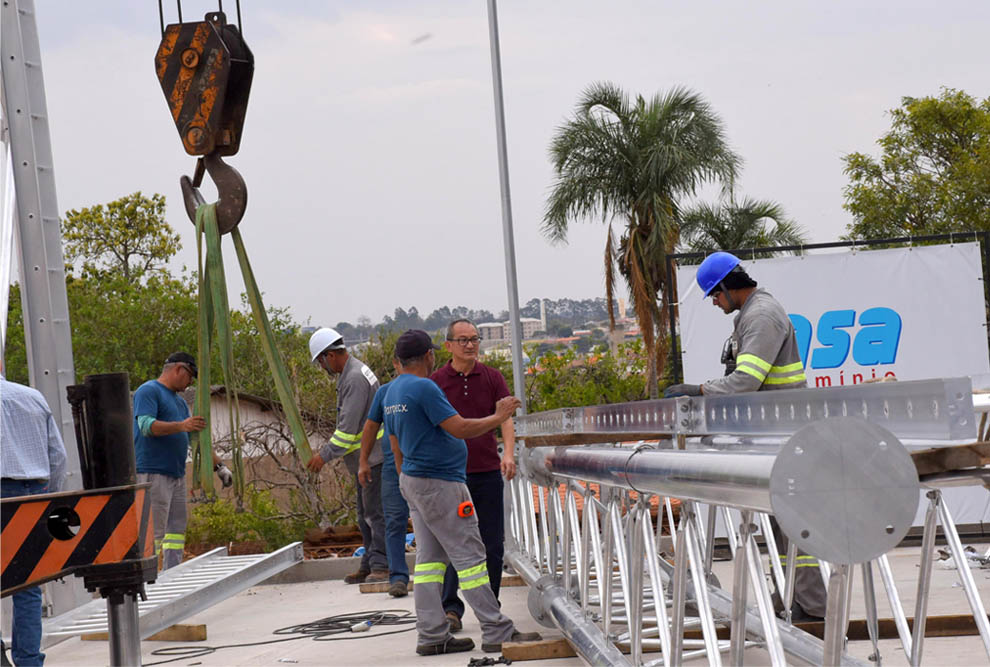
(444, 539)
(168, 512)
(371, 520)
(809, 587)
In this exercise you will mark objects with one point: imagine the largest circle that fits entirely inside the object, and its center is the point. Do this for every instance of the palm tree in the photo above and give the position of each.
(633, 162)
(728, 225)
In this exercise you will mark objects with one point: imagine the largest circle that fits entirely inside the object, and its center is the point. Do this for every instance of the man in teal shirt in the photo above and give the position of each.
(162, 425)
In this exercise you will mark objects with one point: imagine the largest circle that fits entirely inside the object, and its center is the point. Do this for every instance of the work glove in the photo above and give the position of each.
(223, 472)
(675, 390)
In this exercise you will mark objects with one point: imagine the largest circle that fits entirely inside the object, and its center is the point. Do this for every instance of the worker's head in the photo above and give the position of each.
(327, 350)
(463, 342)
(723, 278)
(179, 371)
(414, 349)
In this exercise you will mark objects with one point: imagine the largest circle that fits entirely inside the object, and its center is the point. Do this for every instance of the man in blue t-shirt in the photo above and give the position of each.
(426, 435)
(394, 506)
(161, 443)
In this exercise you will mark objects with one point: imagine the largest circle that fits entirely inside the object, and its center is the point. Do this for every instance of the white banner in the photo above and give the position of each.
(909, 313)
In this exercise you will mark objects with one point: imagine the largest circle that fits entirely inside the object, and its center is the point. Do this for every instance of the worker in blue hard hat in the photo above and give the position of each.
(766, 351)
(766, 358)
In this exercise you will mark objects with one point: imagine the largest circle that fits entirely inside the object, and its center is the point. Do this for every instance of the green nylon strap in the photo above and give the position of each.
(202, 446)
(275, 363)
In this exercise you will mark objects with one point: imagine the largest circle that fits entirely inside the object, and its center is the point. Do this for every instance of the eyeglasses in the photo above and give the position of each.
(464, 342)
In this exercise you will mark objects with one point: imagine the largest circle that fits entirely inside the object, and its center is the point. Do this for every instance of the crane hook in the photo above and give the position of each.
(231, 191)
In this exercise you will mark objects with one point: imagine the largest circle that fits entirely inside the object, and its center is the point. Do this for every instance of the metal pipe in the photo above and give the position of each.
(965, 574)
(740, 584)
(900, 619)
(123, 630)
(580, 631)
(872, 622)
(835, 614)
(924, 579)
(740, 480)
(511, 288)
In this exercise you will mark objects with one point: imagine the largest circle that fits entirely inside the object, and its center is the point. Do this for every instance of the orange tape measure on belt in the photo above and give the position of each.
(465, 509)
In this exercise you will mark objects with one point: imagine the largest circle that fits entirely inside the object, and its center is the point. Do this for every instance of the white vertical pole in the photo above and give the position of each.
(518, 381)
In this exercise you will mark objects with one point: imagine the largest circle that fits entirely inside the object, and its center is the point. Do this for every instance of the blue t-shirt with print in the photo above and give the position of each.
(413, 408)
(162, 454)
(376, 414)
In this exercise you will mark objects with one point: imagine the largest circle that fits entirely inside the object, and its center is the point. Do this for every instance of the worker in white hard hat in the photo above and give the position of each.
(356, 387)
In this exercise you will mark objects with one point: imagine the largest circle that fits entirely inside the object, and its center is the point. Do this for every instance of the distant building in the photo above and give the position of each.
(491, 331)
(530, 325)
(502, 331)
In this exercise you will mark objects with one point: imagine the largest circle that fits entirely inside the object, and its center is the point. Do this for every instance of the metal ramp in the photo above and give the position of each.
(180, 592)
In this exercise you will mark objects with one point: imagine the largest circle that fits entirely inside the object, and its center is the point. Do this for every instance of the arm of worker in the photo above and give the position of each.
(460, 427)
(760, 341)
(396, 452)
(369, 436)
(346, 439)
(151, 426)
(508, 449)
(371, 433)
(56, 456)
(146, 411)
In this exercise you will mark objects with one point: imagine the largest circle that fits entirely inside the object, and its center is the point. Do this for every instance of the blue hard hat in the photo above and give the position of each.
(715, 267)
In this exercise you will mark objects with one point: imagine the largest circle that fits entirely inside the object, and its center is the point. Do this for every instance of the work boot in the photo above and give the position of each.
(377, 577)
(449, 645)
(357, 577)
(516, 637)
(398, 589)
(454, 622)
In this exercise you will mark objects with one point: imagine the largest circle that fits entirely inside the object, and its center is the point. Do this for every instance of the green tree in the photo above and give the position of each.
(127, 237)
(634, 161)
(728, 224)
(933, 173)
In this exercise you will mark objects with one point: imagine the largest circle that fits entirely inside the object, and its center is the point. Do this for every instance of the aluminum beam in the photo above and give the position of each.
(934, 410)
(181, 591)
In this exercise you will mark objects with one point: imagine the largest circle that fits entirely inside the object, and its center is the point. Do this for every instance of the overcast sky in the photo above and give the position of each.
(369, 145)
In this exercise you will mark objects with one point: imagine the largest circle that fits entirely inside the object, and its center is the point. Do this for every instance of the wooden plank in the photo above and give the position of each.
(174, 633)
(512, 580)
(381, 587)
(952, 625)
(947, 459)
(545, 649)
(949, 625)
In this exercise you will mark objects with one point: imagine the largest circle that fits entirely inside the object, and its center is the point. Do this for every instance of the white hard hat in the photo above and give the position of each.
(324, 339)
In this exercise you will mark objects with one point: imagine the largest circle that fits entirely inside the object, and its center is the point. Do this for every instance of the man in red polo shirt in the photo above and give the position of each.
(473, 389)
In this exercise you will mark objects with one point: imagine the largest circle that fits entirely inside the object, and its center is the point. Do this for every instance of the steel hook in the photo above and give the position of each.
(231, 191)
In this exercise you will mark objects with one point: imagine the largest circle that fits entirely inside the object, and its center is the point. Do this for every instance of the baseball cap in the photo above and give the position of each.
(183, 358)
(414, 343)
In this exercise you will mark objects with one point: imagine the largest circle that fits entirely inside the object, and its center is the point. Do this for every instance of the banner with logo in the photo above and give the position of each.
(909, 313)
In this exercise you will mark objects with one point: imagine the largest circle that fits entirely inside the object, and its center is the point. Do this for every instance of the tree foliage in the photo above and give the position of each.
(128, 238)
(933, 172)
(634, 161)
(730, 224)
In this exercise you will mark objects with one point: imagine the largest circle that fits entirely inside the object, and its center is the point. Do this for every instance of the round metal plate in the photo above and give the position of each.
(536, 604)
(844, 489)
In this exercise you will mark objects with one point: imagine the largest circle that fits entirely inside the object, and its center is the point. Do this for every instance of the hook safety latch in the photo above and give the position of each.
(231, 191)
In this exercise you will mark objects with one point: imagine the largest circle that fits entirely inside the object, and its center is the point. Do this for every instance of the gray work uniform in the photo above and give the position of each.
(445, 539)
(767, 358)
(356, 388)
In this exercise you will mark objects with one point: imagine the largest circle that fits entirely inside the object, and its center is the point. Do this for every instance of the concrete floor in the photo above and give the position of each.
(252, 616)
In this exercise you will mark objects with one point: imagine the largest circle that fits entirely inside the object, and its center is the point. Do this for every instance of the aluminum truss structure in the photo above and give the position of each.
(648, 598)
